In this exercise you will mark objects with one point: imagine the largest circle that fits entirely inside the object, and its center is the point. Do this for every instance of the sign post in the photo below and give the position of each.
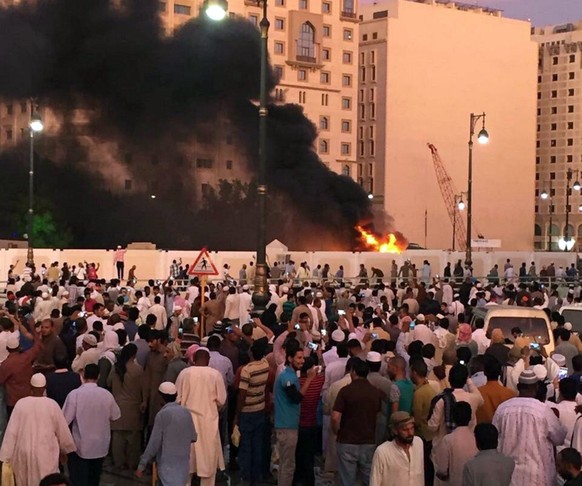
(202, 267)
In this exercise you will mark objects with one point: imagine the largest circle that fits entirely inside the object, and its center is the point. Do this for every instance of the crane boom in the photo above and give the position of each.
(448, 192)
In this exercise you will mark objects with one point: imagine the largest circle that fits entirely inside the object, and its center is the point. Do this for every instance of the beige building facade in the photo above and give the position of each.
(313, 49)
(425, 66)
(559, 145)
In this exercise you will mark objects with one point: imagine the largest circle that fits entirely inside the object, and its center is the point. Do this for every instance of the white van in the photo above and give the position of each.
(573, 314)
(534, 323)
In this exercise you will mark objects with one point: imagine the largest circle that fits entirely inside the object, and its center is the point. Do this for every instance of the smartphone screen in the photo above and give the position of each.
(562, 373)
(341, 313)
(313, 346)
(180, 333)
(297, 326)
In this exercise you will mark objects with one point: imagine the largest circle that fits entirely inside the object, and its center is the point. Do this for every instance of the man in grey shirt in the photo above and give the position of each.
(488, 466)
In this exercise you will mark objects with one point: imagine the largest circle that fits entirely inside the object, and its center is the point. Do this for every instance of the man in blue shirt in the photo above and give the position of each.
(170, 442)
(288, 395)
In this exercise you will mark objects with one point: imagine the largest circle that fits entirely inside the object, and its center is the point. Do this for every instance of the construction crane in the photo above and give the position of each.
(449, 192)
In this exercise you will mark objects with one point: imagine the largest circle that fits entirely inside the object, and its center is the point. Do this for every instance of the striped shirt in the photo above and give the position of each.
(253, 379)
(310, 402)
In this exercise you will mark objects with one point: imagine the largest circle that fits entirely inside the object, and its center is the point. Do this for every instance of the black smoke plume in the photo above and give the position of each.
(152, 92)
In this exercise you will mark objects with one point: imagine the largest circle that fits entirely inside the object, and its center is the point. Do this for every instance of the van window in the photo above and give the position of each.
(575, 318)
(535, 328)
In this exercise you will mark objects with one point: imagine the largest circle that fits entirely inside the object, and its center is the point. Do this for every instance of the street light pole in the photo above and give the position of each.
(34, 126)
(483, 137)
(568, 191)
(261, 296)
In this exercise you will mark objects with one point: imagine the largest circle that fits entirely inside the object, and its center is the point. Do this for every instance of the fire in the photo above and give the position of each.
(389, 243)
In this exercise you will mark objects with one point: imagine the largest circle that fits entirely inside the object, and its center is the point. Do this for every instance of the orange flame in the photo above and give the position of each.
(389, 243)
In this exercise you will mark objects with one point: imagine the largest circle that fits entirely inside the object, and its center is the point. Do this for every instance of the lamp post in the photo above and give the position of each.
(459, 206)
(35, 126)
(544, 195)
(482, 138)
(565, 243)
(216, 10)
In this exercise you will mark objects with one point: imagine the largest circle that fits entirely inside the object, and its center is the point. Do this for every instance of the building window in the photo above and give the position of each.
(347, 57)
(362, 110)
(361, 95)
(371, 129)
(279, 94)
(326, 7)
(302, 75)
(539, 95)
(302, 4)
(204, 163)
(279, 72)
(254, 20)
(554, 126)
(361, 148)
(326, 54)
(326, 31)
(365, 37)
(571, 75)
(348, 34)
(346, 80)
(570, 125)
(554, 77)
(569, 158)
(23, 107)
(9, 109)
(205, 187)
(324, 77)
(374, 35)
(346, 126)
(346, 170)
(554, 94)
(539, 111)
(181, 9)
(554, 110)
(279, 48)
(348, 6)
(324, 99)
(570, 142)
(280, 3)
(372, 94)
(372, 147)
(279, 24)
(346, 103)
(324, 123)
(570, 108)
(373, 73)
(9, 134)
(552, 143)
(539, 127)
(555, 60)
(323, 146)
(571, 92)
(306, 47)
(572, 58)
(362, 74)
(552, 159)
(537, 160)
(346, 148)
(553, 176)
(372, 110)
(162, 6)
(229, 164)
(128, 184)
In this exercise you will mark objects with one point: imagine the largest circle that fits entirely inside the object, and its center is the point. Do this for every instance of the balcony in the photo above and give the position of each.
(349, 15)
(308, 59)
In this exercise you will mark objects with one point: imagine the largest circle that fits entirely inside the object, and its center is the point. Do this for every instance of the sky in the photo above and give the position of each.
(540, 12)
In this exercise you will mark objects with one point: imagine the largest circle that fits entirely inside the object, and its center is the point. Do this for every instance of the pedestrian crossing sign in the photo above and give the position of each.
(203, 265)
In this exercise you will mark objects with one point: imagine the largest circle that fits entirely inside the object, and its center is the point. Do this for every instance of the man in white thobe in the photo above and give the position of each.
(245, 304)
(201, 390)
(399, 462)
(36, 434)
(528, 432)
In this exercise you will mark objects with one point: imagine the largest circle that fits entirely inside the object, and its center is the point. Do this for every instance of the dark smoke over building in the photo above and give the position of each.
(142, 89)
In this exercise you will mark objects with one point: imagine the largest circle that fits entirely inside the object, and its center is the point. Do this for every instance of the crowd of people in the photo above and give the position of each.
(388, 380)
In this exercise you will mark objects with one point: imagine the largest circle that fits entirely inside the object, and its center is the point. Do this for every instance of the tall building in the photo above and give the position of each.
(424, 67)
(313, 48)
(559, 145)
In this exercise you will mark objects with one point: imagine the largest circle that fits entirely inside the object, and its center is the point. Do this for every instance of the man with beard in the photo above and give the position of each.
(399, 462)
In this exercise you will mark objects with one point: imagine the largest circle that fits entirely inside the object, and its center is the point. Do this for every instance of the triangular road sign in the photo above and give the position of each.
(203, 265)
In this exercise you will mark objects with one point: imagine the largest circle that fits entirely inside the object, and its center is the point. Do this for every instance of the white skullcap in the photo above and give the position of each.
(338, 336)
(540, 371)
(374, 357)
(45, 295)
(168, 388)
(352, 335)
(118, 326)
(245, 287)
(559, 359)
(38, 380)
(284, 289)
(568, 326)
(12, 343)
(420, 318)
(319, 295)
(90, 339)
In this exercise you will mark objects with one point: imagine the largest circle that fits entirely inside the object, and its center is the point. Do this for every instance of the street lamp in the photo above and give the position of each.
(482, 138)
(34, 126)
(545, 195)
(216, 10)
(568, 243)
(458, 206)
